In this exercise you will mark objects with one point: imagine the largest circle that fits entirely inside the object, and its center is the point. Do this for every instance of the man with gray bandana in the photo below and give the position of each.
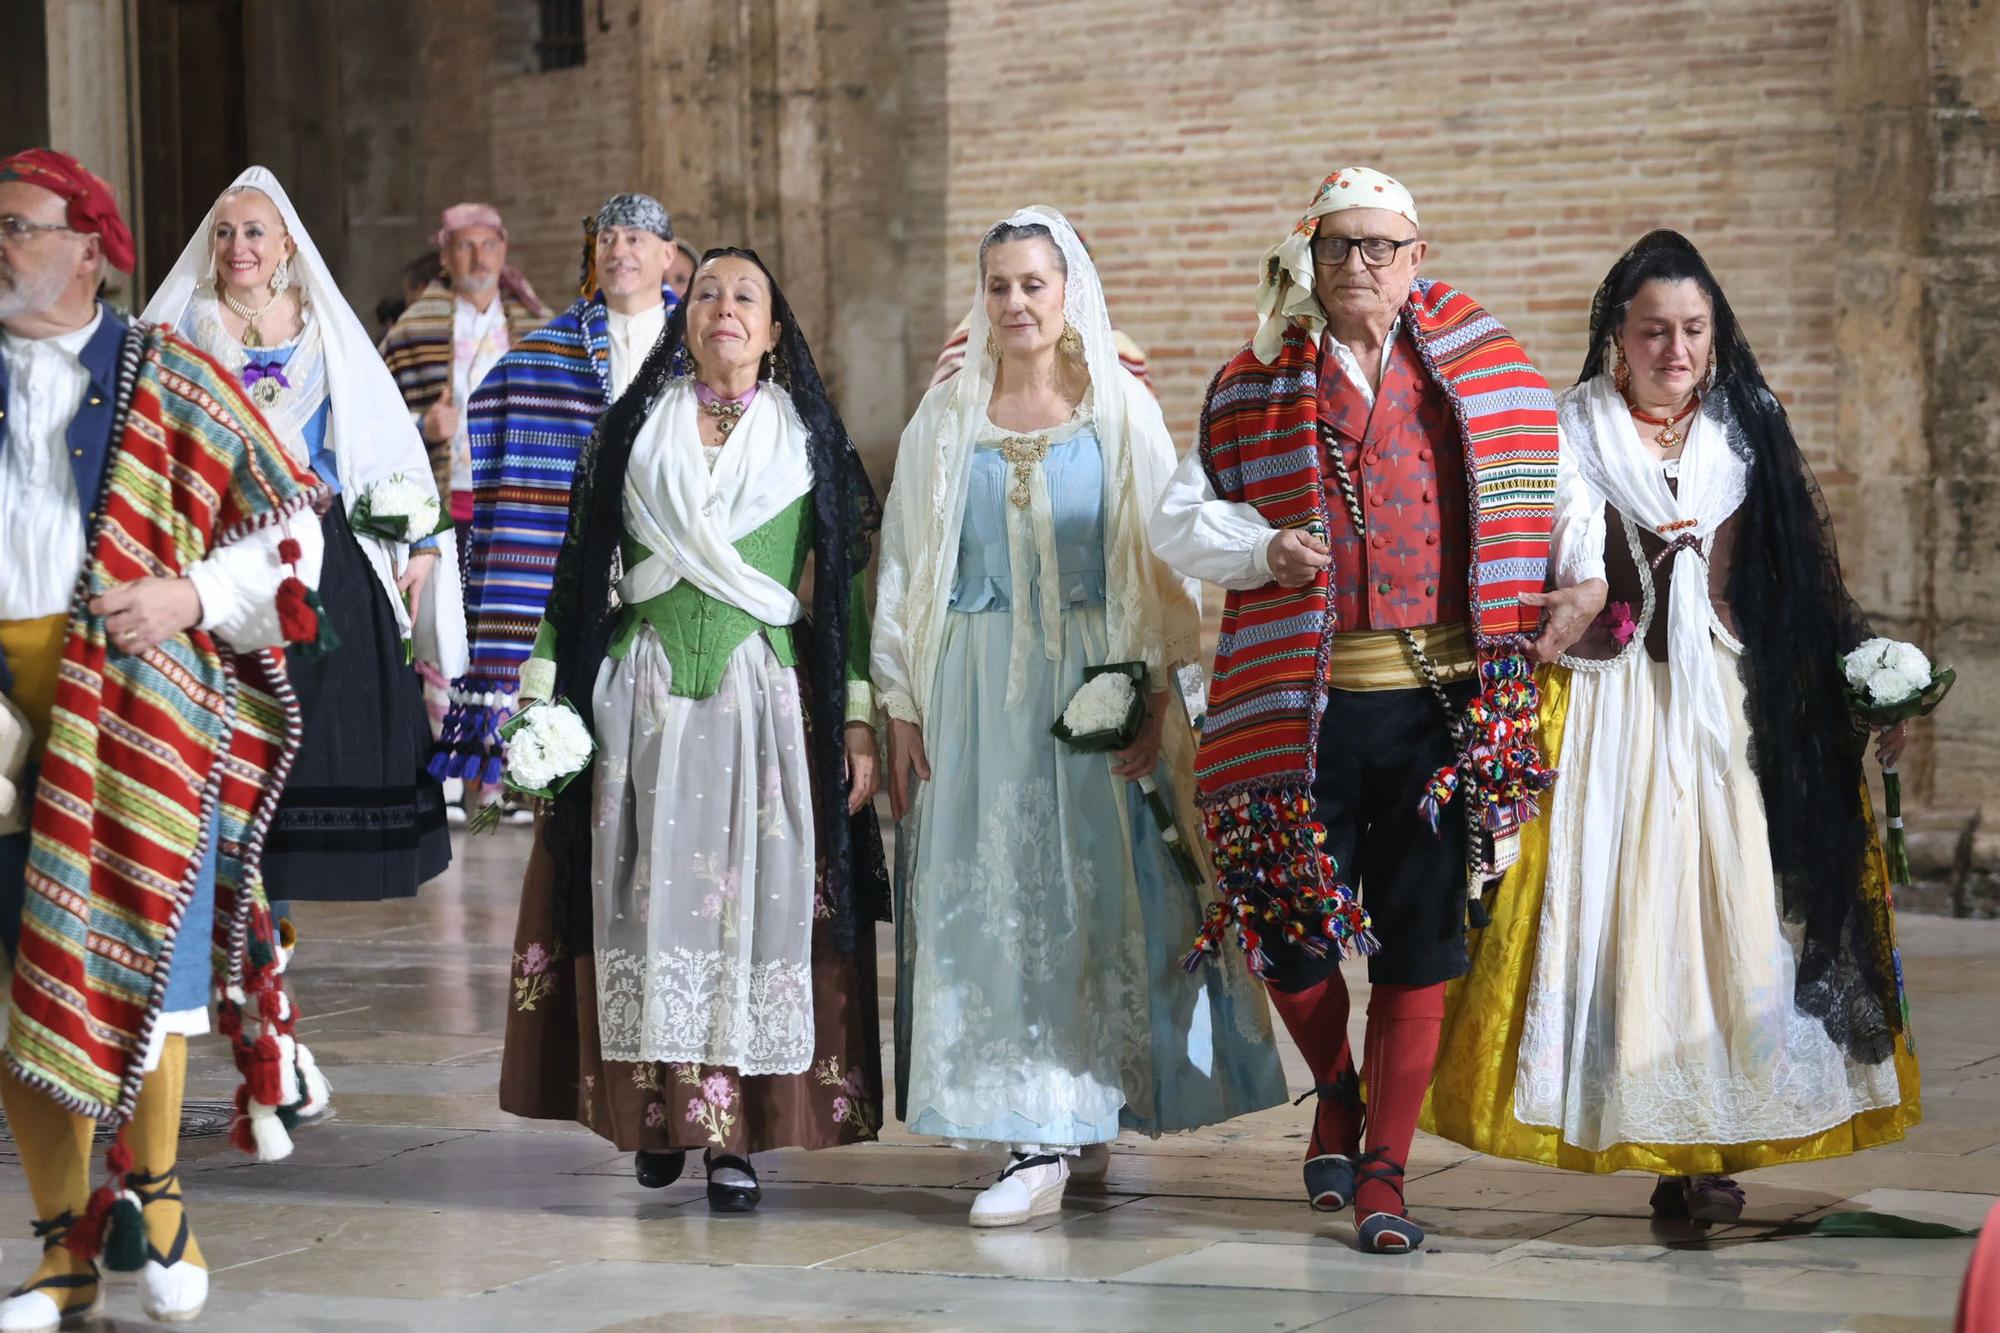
(527, 422)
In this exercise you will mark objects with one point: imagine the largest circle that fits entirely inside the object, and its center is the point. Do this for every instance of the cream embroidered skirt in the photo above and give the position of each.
(703, 864)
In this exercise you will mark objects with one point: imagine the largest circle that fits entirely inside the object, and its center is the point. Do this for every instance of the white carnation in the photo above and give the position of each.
(397, 497)
(1887, 671)
(1103, 704)
(550, 744)
(1890, 686)
(1910, 660)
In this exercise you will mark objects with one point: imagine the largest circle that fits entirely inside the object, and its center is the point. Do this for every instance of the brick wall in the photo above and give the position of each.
(1539, 140)
(545, 149)
(1832, 160)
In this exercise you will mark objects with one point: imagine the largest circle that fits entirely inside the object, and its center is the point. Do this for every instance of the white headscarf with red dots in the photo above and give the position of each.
(1285, 280)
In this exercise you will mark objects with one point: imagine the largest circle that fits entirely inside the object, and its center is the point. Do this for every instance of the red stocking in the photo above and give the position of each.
(1401, 1046)
(1317, 1019)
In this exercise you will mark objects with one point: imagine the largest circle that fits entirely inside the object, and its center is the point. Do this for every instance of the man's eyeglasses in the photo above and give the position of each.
(1376, 251)
(16, 229)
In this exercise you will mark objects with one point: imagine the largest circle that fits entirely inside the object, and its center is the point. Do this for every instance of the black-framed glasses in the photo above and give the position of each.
(13, 228)
(1376, 251)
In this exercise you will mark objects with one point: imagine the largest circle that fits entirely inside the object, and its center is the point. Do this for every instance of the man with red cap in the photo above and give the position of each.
(155, 552)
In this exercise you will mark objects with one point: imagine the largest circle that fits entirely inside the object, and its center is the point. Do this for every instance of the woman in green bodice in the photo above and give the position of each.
(695, 961)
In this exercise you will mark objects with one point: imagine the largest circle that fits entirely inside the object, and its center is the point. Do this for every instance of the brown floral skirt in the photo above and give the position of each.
(552, 1067)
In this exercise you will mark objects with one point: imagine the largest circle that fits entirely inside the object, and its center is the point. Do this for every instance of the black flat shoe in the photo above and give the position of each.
(1330, 1176)
(731, 1196)
(657, 1170)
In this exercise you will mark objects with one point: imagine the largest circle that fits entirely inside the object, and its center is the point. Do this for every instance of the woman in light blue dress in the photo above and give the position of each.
(1042, 917)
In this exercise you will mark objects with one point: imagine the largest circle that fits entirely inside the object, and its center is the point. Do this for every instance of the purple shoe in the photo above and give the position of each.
(1715, 1199)
(1698, 1199)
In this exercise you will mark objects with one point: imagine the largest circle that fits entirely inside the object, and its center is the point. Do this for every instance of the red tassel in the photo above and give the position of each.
(289, 552)
(119, 1160)
(296, 618)
(263, 1078)
(86, 1239)
(241, 1136)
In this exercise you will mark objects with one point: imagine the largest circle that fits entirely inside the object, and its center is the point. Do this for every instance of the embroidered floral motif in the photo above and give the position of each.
(850, 1102)
(712, 1109)
(534, 974)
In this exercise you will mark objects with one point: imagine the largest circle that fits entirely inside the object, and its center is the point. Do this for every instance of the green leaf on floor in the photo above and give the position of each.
(1875, 1225)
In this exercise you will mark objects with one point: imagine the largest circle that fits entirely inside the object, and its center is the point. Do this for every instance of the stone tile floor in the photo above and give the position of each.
(423, 1207)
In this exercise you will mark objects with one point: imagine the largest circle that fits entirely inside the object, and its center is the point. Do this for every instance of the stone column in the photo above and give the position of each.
(91, 91)
(1962, 344)
(776, 126)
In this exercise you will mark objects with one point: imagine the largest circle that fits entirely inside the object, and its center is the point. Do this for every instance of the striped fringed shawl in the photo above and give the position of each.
(418, 352)
(144, 750)
(528, 422)
(1260, 443)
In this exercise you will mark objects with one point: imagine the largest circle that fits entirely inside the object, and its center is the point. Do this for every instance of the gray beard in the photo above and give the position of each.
(22, 294)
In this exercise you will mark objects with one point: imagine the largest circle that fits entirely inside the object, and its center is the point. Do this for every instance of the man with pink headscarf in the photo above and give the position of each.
(453, 334)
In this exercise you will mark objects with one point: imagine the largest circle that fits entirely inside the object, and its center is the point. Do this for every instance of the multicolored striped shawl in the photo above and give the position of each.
(144, 751)
(1260, 442)
(418, 351)
(528, 421)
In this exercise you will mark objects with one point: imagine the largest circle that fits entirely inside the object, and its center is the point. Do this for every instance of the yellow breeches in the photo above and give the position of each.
(1471, 1101)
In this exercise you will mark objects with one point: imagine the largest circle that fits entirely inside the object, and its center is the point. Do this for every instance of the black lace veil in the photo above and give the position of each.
(1795, 618)
(584, 611)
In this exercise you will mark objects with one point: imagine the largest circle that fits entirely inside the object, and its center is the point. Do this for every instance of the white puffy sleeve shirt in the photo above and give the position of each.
(43, 544)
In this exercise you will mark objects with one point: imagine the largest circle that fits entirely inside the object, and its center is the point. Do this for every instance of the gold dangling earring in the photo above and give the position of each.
(1621, 374)
(1071, 343)
(992, 345)
(1708, 376)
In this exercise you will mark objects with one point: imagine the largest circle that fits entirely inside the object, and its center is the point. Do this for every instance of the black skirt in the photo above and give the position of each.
(360, 820)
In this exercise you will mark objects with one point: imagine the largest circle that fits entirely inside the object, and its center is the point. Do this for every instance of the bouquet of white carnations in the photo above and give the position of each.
(399, 510)
(1106, 714)
(547, 746)
(1890, 682)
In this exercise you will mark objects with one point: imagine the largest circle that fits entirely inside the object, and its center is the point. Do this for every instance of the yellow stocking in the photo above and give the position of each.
(154, 1136)
(55, 1156)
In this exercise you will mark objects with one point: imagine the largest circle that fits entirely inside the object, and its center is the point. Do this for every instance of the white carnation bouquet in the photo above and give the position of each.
(547, 746)
(1889, 681)
(1105, 714)
(399, 510)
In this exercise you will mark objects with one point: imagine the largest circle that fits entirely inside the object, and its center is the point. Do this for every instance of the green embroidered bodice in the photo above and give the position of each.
(699, 632)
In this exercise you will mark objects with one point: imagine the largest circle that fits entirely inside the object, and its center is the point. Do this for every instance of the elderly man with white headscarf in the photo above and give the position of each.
(1374, 485)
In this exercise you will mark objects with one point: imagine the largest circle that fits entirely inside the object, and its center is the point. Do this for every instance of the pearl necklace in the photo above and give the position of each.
(251, 337)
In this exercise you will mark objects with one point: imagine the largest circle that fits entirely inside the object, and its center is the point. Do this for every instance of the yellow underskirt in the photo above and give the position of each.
(1471, 1100)
(34, 649)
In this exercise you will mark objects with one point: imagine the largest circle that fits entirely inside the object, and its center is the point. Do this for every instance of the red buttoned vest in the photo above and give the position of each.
(1409, 474)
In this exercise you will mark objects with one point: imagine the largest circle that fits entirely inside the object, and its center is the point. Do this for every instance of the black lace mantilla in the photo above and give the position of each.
(584, 609)
(1795, 619)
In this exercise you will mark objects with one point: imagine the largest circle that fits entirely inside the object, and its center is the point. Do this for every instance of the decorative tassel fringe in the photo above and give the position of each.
(1275, 879)
(469, 744)
(125, 1238)
(86, 1239)
(1499, 764)
(318, 1092)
